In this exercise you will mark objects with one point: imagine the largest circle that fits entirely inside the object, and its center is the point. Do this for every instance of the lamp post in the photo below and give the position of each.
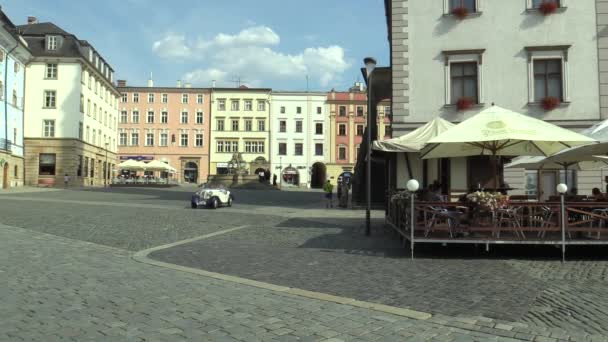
(106, 169)
(370, 65)
(281, 173)
(413, 186)
(562, 189)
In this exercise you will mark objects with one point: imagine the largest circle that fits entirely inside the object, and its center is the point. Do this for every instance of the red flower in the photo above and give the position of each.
(464, 103)
(550, 103)
(547, 7)
(460, 12)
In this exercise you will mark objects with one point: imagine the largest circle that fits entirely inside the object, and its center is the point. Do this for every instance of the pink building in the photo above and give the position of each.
(166, 124)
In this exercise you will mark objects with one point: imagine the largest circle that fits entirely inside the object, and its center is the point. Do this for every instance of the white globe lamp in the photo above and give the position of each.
(413, 185)
(562, 188)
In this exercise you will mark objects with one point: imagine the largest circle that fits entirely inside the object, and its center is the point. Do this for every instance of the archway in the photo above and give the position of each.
(190, 172)
(5, 177)
(318, 175)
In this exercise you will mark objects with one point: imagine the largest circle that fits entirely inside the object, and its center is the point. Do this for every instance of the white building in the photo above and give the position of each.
(502, 52)
(299, 136)
(71, 109)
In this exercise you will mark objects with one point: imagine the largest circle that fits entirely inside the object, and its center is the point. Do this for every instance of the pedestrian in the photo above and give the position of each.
(274, 180)
(329, 194)
(66, 180)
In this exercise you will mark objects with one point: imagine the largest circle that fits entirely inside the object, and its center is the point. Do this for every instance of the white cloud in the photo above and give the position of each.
(252, 54)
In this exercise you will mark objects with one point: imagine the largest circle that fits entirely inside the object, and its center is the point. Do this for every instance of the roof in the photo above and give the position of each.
(41, 29)
(129, 89)
(241, 89)
(11, 28)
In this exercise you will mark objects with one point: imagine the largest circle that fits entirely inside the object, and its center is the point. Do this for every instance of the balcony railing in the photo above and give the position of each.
(8, 146)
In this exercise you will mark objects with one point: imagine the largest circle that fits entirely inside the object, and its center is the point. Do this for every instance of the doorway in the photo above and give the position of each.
(5, 176)
(318, 175)
(548, 184)
(191, 172)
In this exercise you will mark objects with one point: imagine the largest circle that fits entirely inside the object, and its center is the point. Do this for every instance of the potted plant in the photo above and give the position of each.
(464, 103)
(460, 12)
(548, 7)
(550, 103)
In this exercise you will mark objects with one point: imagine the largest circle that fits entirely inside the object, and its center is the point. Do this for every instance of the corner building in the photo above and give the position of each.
(71, 107)
(166, 124)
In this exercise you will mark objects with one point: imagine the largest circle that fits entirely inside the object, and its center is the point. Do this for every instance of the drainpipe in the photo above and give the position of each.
(6, 97)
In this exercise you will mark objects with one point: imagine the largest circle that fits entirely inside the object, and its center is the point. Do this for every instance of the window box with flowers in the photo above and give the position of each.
(461, 9)
(546, 7)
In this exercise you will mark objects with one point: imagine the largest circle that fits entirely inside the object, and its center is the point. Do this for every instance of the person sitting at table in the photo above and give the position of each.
(597, 195)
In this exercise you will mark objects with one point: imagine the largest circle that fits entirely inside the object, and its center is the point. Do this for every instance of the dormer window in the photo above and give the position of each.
(51, 43)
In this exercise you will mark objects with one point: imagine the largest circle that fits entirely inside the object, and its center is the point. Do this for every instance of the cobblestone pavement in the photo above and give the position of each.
(65, 287)
(62, 289)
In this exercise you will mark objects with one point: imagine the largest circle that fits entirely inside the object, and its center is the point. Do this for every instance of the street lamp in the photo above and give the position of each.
(370, 65)
(412, 186)
(562, 189)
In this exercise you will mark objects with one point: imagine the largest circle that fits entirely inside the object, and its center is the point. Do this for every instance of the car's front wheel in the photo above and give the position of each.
(230, 201)
(214, 203)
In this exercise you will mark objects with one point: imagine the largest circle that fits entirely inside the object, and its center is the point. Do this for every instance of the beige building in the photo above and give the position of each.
(71, 107)
(240, 124)
(170, 124)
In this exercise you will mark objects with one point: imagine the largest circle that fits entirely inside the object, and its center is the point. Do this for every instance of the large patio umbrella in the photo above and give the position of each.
(157, 165)
(132, 165)
(498, 131)
(415, 140)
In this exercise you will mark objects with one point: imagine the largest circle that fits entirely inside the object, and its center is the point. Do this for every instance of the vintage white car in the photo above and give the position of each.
(211, 196)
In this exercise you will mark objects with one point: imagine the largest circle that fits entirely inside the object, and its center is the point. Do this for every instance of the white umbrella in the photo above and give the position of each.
(415, 140)
(157, 165)
(132, 165)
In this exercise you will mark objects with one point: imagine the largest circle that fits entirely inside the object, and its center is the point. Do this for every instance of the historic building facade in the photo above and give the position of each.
(521, 59)
(71, 109)
(300, 132)
(240, 124)
(14, 55)
(170, 124)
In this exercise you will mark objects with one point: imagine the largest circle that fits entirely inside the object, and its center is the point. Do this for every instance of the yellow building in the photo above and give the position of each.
(240, 123)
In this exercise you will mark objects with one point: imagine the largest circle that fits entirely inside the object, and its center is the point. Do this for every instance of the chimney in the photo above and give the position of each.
(188, 85)
(121, 83)
(213, 84)
(32, 20)
(150, 81)
(179, 83)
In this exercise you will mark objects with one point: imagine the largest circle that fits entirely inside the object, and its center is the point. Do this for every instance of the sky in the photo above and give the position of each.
(264, 43)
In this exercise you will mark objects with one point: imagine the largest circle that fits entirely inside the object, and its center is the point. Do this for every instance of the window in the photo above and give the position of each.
(184, 98)
(298, 126)
(135, 116)
(90, 81)
(319, 110)
(248, 105)
(136, 97)
(342, 129)
(150, 98)
(150, 117)
(199, 98)
(88, 136)
(199, 117)
(261, 105)
(221, 104)
(235, 125)
(537, 3)
(318, 128)
(248, 146)
(50, 98)
(299, 149)
(135, 139)
(342, 153)
(547, 79)
(220, 124)
(184, 118)
(261, 125)
(51, 43)
(282, 126)
(51, 71)
(468, 4)
(80, 131)
(342, 111)
(183, 139)
(235, 146)
(105, 118)
(360, 130)
(122, 138)
(95, 111)
(164, 98)
(261, 147)
(94, 140)
(248, 125)
(149, 139)
(282, 149)
(220, 146)
(359, 110)
(387, 110)
(463, 81)
(96, 87)
(234, 105)
(164, 117)
(124, 98)
(164, 139)
(318, 149)
(282, 109)
(81, 103)
(298, 110)
(17, 66)
(198, 142)
(48, 128)
(46, 164)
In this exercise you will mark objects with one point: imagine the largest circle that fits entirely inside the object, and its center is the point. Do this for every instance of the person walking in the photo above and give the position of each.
(66, 180)
(329, 194)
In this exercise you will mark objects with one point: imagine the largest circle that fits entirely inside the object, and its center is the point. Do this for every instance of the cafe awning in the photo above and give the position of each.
(414, 141)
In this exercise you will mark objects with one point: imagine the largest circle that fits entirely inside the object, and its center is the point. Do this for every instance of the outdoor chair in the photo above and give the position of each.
(601, 223)
(438, 215)
(509, 217)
